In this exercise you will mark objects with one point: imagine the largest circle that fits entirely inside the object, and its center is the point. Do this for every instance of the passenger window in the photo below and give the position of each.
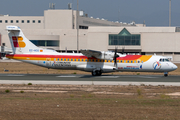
(64, 59)
(163, 60)
(67, 59)
(61, 59)
(135, 61)
(78, 59)
(124, 61)
(160, 60)
(131, 61)
(121, 61)
(128, 61)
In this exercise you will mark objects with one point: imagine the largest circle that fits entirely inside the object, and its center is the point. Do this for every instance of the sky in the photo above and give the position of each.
(153, 12)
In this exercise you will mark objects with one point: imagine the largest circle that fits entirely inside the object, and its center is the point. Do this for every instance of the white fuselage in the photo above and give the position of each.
(81, 62)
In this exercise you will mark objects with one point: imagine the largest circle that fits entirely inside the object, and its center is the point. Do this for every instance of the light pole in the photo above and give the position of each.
(77, 27)
(169, 13)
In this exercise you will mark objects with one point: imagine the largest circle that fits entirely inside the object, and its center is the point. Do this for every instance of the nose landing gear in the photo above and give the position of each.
(165, 74)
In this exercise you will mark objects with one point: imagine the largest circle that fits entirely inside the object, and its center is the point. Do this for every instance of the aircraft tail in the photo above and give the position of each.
(20, 44)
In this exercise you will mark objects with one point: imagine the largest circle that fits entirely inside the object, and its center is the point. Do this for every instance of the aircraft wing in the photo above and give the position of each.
(91, 53)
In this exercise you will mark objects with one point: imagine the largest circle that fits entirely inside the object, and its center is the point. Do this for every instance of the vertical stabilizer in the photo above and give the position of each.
(20, 44)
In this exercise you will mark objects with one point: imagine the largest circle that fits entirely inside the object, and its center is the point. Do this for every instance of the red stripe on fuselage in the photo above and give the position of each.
(129, 57)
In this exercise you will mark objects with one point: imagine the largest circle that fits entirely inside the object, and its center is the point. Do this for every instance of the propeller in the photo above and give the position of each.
(115, 57)
(123, 50)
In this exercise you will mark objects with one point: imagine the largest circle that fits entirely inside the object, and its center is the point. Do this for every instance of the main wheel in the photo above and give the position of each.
(98, 72)
(94, 73)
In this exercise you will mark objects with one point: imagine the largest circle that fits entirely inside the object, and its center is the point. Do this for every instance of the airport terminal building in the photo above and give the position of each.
(57, 29)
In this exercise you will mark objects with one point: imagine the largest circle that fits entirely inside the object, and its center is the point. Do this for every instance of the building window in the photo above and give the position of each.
(6, 21)
(28, 21)
(33, 21)
(22, 21)
(17, 21)
(39, 21)
(0, 21)
(52, 43)
(11, 21)
(83, 27)
(124, 38)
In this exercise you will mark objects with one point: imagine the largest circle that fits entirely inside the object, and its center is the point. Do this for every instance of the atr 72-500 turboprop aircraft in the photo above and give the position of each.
(96, 62)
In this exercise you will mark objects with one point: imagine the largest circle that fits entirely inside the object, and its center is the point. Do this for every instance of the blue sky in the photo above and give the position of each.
(153, 12)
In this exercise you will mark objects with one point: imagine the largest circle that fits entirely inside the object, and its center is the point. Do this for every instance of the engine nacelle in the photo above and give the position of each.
(107, 55)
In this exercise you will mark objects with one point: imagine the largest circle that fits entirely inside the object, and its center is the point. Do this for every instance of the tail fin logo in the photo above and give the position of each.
(18, 41)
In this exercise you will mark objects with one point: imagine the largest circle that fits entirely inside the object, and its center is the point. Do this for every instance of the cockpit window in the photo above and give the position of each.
(164, 60)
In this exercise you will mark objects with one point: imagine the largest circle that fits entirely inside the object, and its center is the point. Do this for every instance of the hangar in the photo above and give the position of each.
(57, 29)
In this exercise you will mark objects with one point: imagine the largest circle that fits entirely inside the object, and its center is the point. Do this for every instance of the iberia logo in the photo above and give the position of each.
(18, 41)
(156, 65)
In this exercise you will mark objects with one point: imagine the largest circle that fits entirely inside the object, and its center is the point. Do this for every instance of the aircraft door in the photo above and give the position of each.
(139, 63)
(48, 62)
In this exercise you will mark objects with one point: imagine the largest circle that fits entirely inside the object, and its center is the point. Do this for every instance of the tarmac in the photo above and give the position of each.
(73, 79)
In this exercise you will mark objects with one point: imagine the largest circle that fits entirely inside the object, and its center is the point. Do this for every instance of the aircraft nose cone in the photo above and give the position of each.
(175, 67)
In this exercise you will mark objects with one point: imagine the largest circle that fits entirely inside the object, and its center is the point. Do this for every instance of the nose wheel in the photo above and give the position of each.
(165, 74)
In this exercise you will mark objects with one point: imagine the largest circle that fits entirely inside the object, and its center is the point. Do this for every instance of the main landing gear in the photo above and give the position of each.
(96, 73)
(165, 74)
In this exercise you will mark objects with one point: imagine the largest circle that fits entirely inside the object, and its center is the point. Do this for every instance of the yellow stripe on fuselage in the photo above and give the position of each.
(145, 58)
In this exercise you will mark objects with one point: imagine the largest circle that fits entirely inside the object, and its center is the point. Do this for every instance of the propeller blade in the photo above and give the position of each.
(123, 50)
(115, 57)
